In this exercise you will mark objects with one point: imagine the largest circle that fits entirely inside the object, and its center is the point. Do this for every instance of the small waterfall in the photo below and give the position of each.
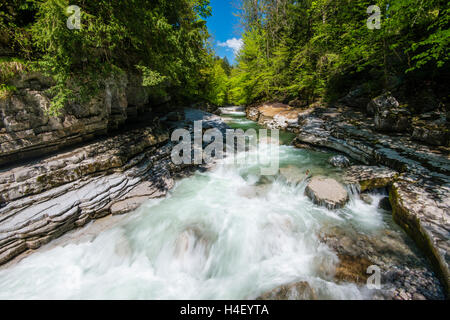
(354, 191)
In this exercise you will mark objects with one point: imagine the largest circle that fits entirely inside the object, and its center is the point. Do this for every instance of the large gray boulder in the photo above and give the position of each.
(327, 192)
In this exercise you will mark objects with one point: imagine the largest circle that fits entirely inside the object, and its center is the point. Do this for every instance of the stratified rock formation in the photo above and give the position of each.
(43, 199)
(27, 130)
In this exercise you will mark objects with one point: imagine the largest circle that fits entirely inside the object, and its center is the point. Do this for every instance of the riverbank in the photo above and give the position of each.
(419, 193)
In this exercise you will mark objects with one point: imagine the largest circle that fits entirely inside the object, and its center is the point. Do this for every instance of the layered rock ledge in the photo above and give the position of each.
(27, 130)
(42, 200)
(417, 174)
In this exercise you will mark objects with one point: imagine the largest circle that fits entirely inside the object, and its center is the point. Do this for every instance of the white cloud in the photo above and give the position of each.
(233, 44)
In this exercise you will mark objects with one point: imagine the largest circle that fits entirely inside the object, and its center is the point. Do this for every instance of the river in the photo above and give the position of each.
(219, 234)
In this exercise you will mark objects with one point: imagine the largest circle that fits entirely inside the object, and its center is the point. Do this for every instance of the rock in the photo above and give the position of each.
(234, 110)
(366, 198)
(252, 192)
(385, 204)
(339, 161)
(327, 192)
(380, 103)
(295, 291)
(193, 238)
(418, 296)
(264, 180)
(394, 120)
(370, 177)
(252, 113)
(141, 193)
(389, 115)
(401, 265)
(298, 103)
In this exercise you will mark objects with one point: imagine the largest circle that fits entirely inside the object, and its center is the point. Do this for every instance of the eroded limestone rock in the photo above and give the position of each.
(274, 115)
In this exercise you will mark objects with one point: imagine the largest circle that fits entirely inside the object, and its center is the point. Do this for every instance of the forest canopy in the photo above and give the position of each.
(164, 40)
(303, 51)
(321, 49)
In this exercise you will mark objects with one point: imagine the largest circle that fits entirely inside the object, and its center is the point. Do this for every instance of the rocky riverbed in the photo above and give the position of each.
(416, 174)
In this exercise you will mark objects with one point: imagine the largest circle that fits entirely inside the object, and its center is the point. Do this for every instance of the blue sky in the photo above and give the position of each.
(224, 29)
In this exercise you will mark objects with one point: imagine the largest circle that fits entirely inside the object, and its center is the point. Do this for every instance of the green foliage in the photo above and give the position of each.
(163, 40)
(319, 49)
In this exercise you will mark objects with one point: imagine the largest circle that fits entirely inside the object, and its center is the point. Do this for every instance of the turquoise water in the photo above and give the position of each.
(227, 233)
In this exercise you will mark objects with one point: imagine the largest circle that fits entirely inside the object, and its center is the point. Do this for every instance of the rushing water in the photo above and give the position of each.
(220, 234)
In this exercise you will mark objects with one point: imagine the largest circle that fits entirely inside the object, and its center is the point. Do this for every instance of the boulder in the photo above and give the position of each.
(393, 120)
(422, 208)
(389, 115)
(352, 269)
(294, 291)
(339, 161)
(327, 192)
(383, 102)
